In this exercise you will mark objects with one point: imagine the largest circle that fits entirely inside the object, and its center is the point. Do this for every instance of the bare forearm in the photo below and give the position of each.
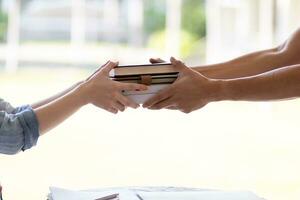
(283, 83)
(256, 63)
(248, 65)
(53, 98)
(52, 114)
(98, 90)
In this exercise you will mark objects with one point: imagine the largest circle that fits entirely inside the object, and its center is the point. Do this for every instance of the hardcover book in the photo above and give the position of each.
(156, 76)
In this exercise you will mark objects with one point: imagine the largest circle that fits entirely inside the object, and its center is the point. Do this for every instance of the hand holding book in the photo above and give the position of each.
(189, 92)
(156, 76)
(102, 92)
(171, 85)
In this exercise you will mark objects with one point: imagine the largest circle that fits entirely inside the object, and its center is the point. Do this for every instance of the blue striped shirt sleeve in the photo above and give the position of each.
(19, 129)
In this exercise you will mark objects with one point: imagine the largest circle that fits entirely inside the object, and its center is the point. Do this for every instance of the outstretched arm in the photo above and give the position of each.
(255, 63)
(62, 93)
(20, 128)
(98, 90)
(192, 90)
(278, 84)
(54, 97)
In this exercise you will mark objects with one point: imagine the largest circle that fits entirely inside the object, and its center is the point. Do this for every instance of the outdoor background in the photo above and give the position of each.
(47, 46)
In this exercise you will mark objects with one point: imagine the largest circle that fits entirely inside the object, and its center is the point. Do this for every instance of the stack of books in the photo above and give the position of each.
(156, 76)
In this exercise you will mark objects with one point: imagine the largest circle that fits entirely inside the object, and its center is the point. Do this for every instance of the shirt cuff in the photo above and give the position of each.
(20, 109)
(30, 126)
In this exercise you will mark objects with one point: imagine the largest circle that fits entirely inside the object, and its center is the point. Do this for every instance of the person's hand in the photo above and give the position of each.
(156, 60)
(191, 91)
(105, 93)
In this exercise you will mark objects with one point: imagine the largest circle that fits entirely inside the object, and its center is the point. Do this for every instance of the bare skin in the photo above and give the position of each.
(266, 75)
(98, 90)
(286, 54)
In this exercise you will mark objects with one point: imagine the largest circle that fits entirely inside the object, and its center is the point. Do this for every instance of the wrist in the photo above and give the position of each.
(81, 92)
(228, 90)
(219, 91)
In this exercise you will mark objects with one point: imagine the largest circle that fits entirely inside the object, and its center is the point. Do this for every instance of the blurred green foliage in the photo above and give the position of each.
(189, 43)
(154, 16)
(193, 24)
(3, 26)
(193, 17)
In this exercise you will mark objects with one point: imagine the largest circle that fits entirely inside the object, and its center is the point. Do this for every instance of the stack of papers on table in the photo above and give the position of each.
(64, 194)
(156, 76)
(128, 194)
(205, 195)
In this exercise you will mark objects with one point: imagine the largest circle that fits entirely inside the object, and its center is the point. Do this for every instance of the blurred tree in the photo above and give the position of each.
(154, 16)
(193, 17)
(193, 25)
(187, 46)
(3, 25)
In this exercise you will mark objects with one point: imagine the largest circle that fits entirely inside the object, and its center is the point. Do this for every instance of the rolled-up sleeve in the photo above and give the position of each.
(5, 106)
(19, 130)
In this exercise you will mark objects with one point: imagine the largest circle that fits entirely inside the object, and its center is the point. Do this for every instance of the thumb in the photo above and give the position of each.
(178, 64)
(109, 66)
(156, 60)
(91, 76)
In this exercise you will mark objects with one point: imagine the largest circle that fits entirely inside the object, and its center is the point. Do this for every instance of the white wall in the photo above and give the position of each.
(236, 27)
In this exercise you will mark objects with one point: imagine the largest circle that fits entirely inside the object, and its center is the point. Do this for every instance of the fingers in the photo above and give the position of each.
(109, 66)
(162, 95)
(127, 102)
(131, 87)
(121, 104)
(172, 108)
(112, 110)
(95, 72)
(118, 106)
(163, 104)
(156, 60)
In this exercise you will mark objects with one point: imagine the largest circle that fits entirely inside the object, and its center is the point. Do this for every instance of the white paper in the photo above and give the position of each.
(126, 194)
(141, 97)
(203, 195)
(63, 194)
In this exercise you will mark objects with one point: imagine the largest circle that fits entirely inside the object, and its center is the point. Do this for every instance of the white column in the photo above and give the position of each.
(295, 14)
(173, 27)
(213, 26)
(78, 30)
(78, 22)
(287, 19)
(282, 19)
(247, 32)
(266, 23)
(111, 13)
(13, 35)
(135, 22)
